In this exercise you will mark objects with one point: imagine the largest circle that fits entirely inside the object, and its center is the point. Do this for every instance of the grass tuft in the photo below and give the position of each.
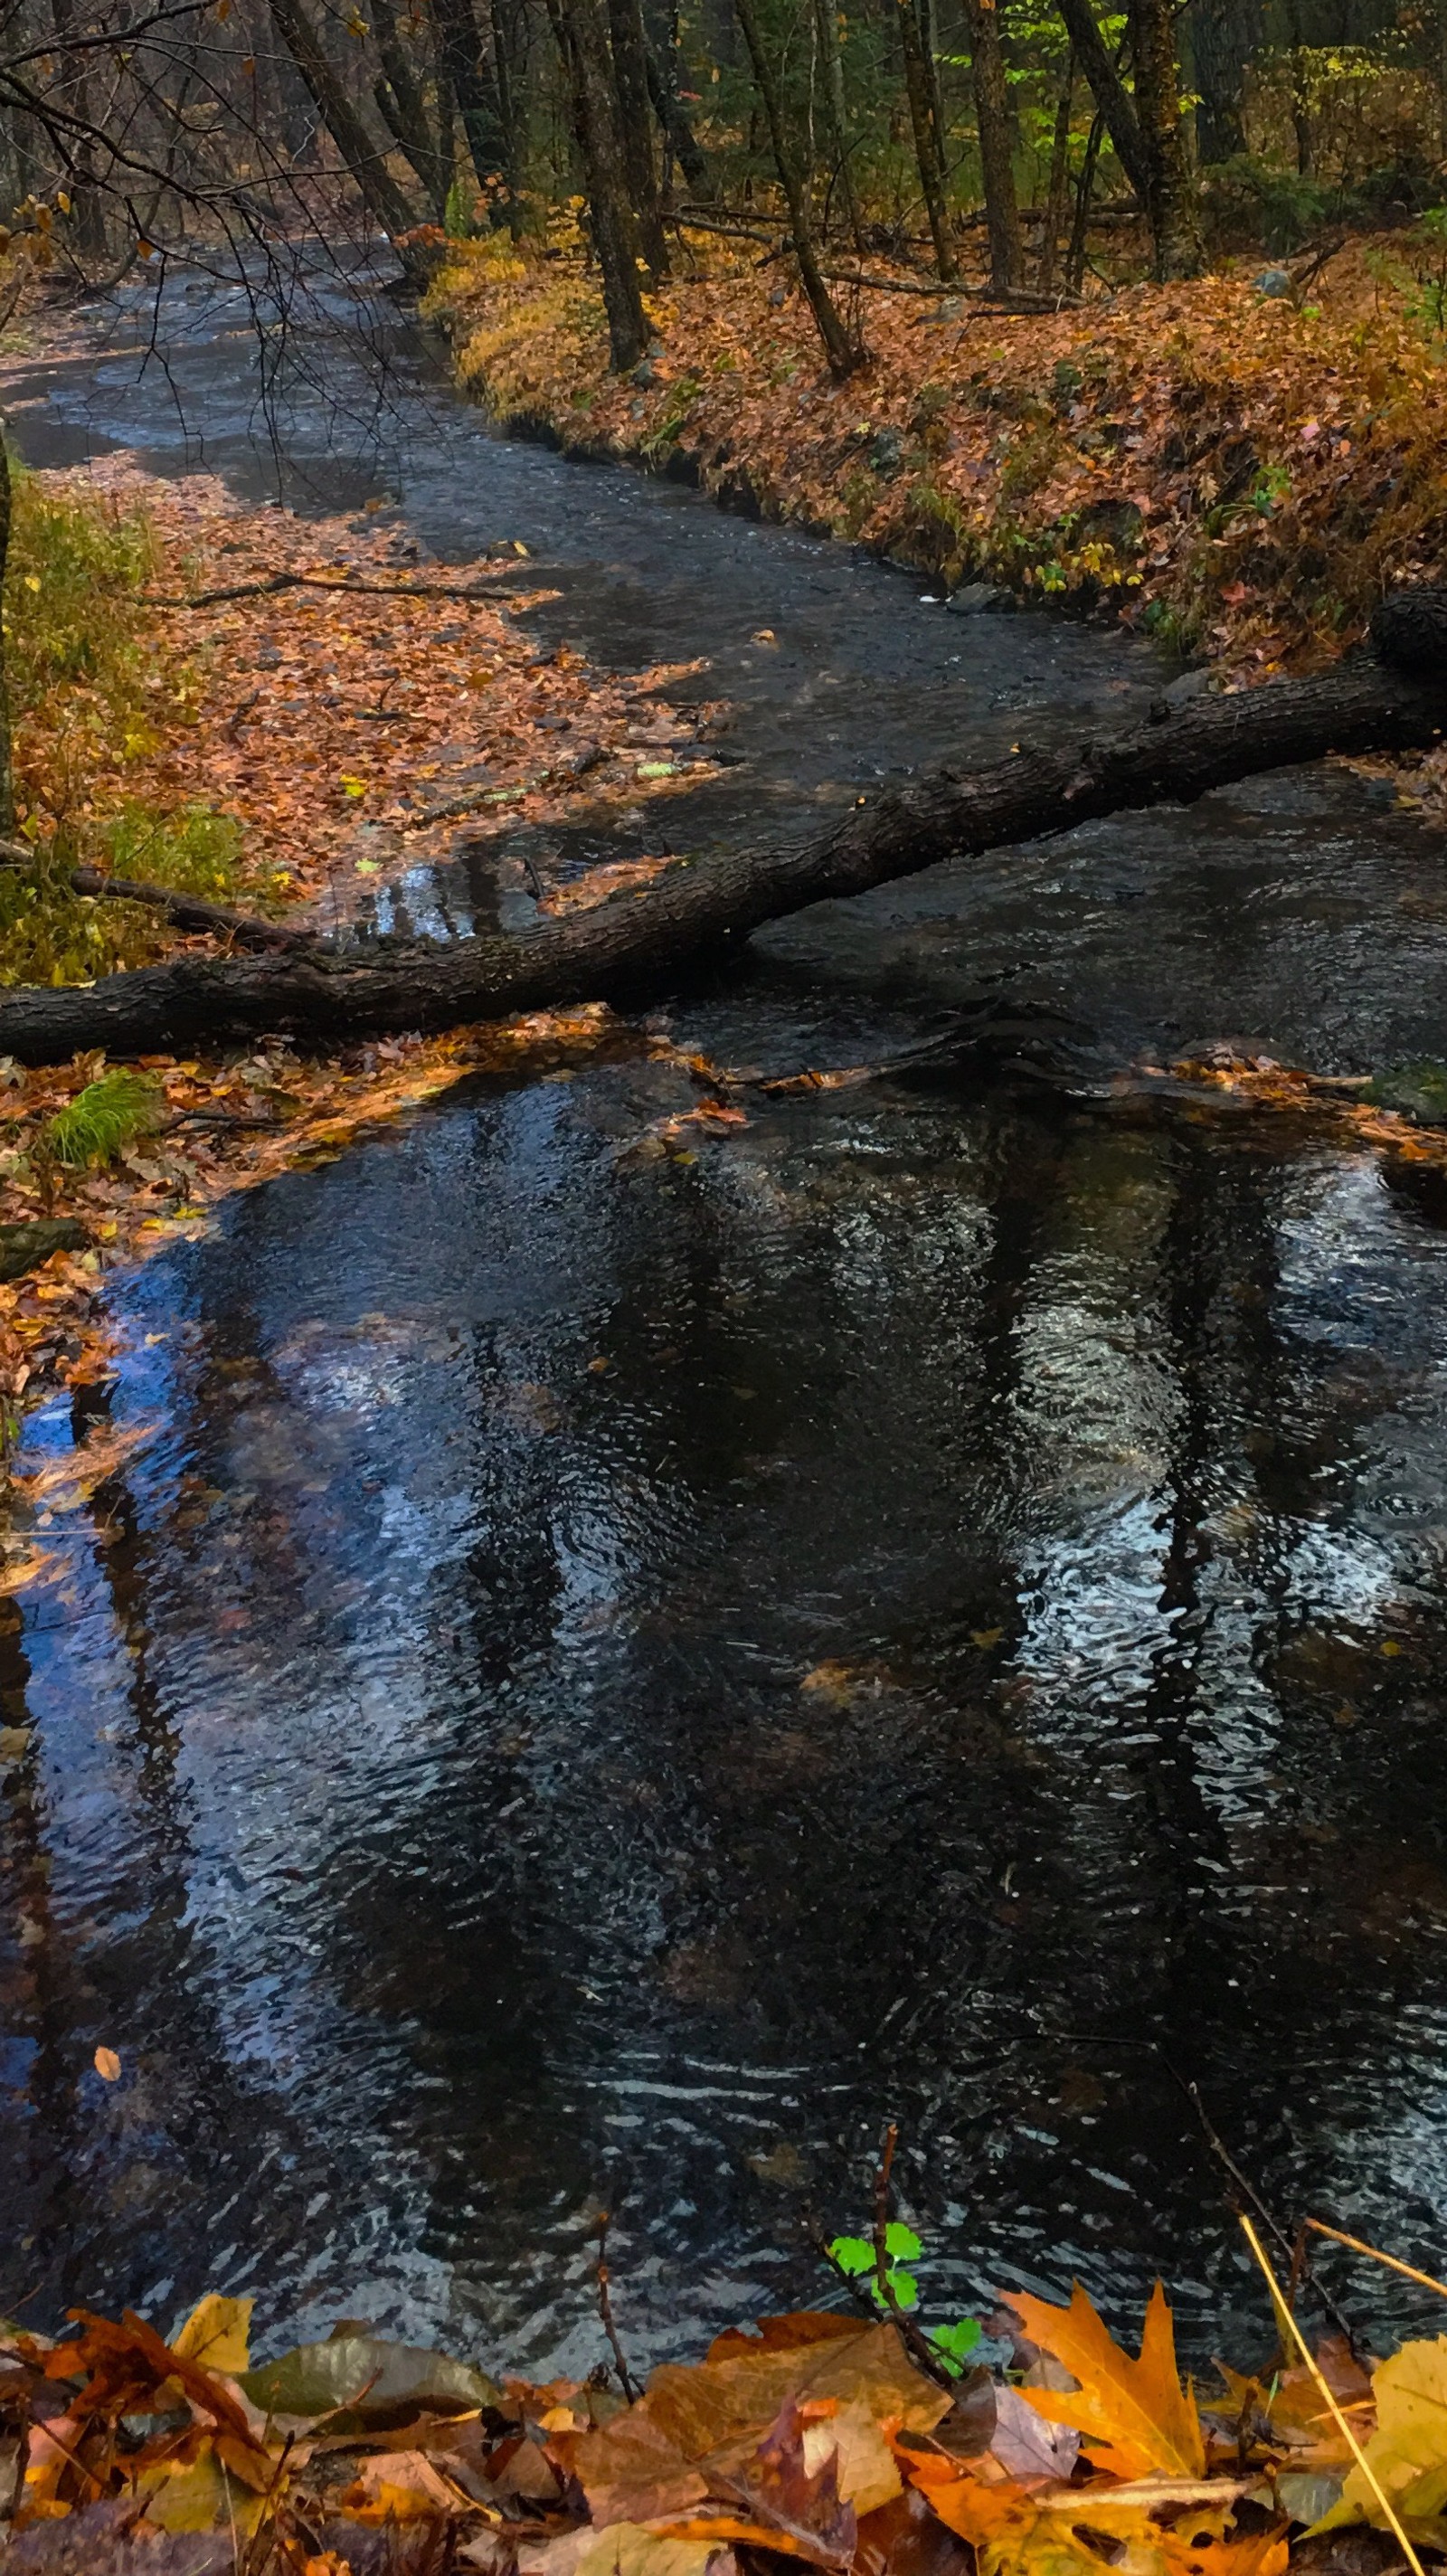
(101, 1120)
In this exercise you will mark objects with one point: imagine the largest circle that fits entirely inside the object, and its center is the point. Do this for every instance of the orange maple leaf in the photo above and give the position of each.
(1135, 2414)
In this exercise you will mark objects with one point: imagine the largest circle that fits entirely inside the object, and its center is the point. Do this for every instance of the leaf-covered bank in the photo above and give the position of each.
(1240, 475)
(856, 2444)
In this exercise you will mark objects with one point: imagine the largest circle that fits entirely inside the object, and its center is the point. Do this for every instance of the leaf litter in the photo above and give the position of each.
(809, 2440)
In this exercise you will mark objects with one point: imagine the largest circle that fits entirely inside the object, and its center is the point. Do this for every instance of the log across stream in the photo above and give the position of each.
(596, 1673)
(637, 946)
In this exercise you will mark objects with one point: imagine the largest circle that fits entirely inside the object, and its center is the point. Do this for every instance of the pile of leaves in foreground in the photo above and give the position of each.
(826, 2441)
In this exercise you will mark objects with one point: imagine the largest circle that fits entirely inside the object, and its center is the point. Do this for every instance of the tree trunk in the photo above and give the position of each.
(841, 348)
(992, 119)
(1117, 107)
(926, 151)
(636, 945)
(635, 129)
(583, 42)
(364, 158)
(87, 212)
(403, 108)
(460, 52)
(826, 20)
(1224, 34)
(668, 107)
(1059, 188)
(1157, 94)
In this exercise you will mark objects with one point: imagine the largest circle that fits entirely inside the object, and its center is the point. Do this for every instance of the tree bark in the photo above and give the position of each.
(840, 347)
(583, 42)
(926, 143)
(635, 945)
(403, 108)
(992, 121)
(1174, 236)
(1059, 188)
(1224, 34)
(460, 54)
(672, 116)
(826, 20)
(635, 129)
(364, 157)
(1117, 107)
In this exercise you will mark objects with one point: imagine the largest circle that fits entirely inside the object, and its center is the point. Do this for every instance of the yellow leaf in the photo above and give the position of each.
(107, 2065)
(354, 786)
(216, 2333)
(199, 2495)
(62, 200)
(1408, 2451)
(31, 582)
(1135, 2413)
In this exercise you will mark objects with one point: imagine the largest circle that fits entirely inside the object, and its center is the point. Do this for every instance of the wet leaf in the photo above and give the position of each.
(107, 2065)
(368, 2381)
(1135, 2414)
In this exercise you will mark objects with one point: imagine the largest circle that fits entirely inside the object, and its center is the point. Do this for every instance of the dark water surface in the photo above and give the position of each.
(975, 1652)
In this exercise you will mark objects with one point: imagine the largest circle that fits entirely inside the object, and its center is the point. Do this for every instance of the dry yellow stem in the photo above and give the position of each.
(1337, 2236)
(1304, 2348)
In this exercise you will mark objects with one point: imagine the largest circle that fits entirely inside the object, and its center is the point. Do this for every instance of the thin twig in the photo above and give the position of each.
(1323, 2390)
(1338, 2236)
(628, 2383)
(1247, 2188)
(918, 2344)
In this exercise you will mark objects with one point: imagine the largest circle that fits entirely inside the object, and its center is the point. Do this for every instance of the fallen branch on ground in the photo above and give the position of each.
(1390, 699)
(187, 911)
(323, 581)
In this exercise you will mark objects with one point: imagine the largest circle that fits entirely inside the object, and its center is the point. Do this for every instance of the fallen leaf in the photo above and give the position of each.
(107, 2065)
(1408, 2450)
(216, 2333)
(401, 2486)
(1135, 2414)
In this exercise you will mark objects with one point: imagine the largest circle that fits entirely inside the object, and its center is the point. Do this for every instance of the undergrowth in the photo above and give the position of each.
(94, 682)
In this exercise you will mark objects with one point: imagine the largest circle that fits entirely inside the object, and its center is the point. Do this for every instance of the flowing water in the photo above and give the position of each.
(974, 1653)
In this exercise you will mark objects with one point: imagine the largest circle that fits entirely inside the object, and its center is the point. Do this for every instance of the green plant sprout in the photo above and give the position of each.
(855, 2256)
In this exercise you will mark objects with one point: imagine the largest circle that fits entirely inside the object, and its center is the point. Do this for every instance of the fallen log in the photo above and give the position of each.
(1389, 697)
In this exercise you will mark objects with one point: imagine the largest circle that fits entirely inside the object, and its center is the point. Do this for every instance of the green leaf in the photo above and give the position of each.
(853, 2254)
(901, 2243)
(905, 2288)
(955, 2343)
(372, 2382)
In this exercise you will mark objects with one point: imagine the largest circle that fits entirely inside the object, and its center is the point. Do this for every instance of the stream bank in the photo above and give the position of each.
(594, 1675)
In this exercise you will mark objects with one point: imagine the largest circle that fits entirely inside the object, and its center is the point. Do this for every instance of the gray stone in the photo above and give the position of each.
(979, 599)
(1273, 282)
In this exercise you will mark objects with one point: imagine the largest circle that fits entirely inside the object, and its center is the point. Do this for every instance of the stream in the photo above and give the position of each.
(974, 1654)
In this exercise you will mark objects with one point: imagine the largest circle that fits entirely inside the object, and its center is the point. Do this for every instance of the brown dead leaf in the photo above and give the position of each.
(695, 2431)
